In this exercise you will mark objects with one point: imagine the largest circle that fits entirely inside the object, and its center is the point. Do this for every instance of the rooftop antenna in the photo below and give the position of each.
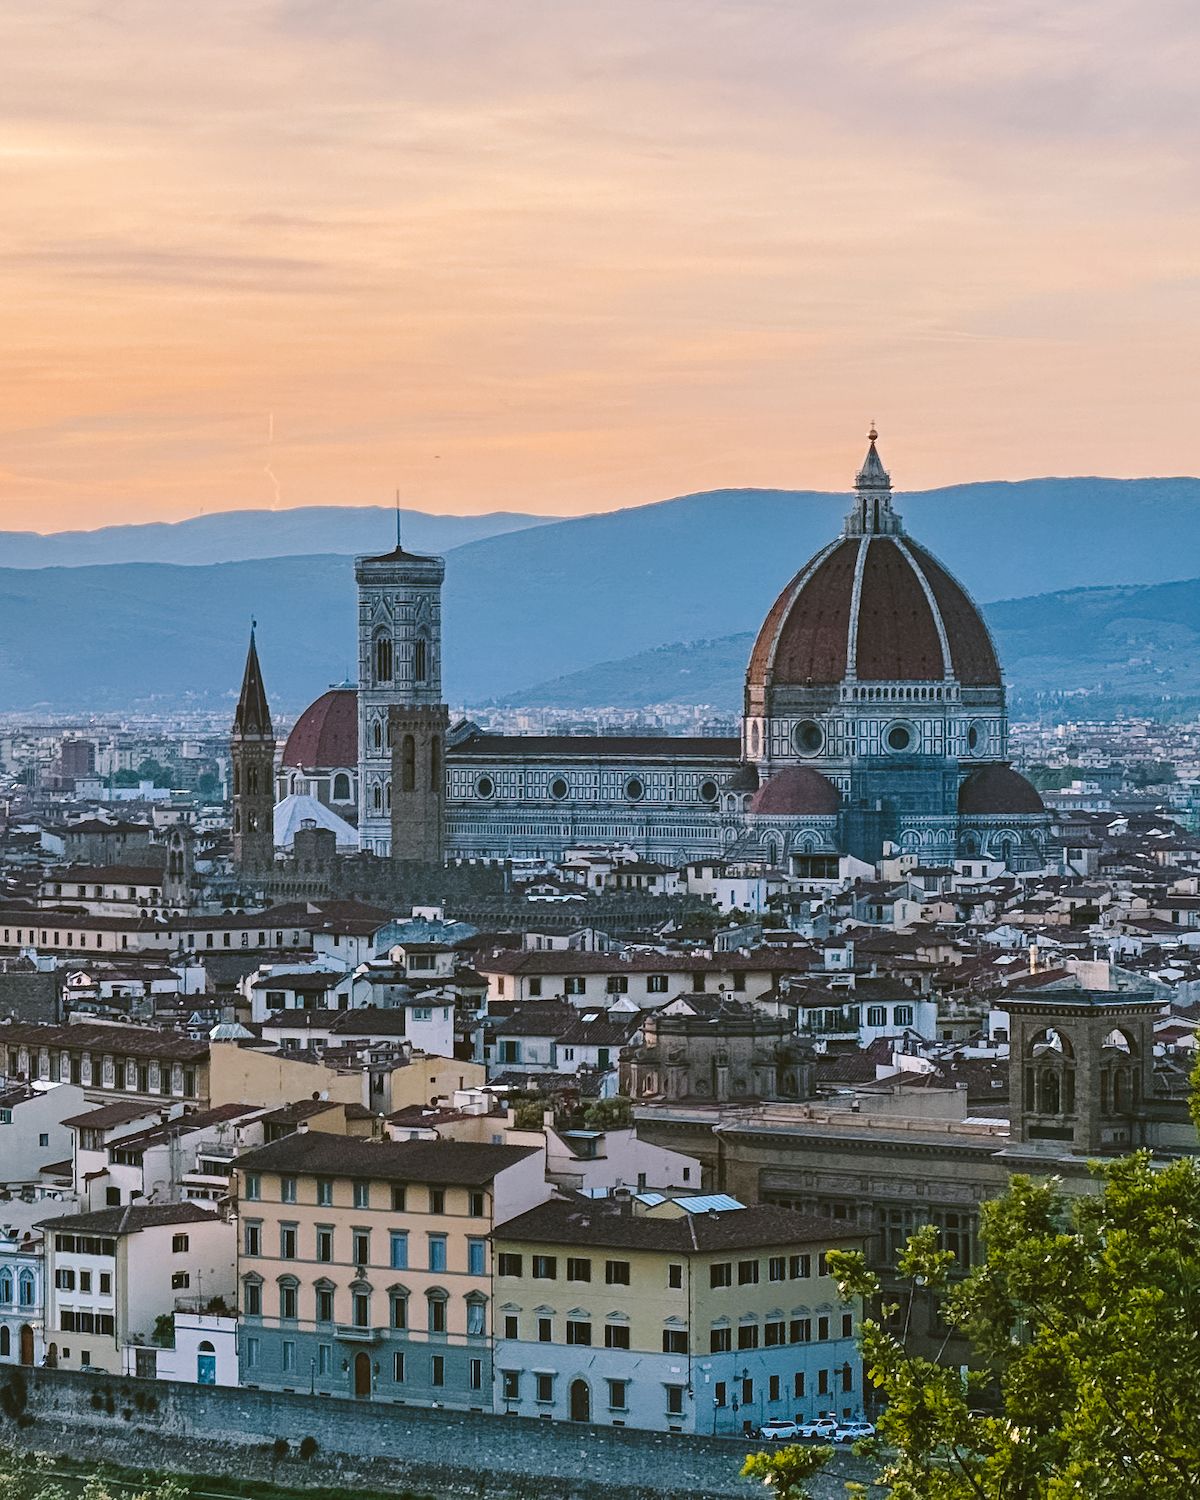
(398, 546)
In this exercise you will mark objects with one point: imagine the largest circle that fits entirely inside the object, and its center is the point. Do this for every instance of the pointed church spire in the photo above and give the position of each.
(253, 715)
(872, 514)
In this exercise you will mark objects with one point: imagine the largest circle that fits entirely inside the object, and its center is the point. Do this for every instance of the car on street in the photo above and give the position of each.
(820, 1428)
(853, 1432)
(779, 1430)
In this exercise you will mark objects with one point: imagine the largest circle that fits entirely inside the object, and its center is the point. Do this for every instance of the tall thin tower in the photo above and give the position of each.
(401, 717)
(252, 749)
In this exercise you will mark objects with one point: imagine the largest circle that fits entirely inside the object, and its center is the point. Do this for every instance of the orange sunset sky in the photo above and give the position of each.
(566, 255)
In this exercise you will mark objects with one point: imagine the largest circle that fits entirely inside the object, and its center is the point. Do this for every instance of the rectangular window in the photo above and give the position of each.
(545, 1267)
(324, 1192)
(847, 1325)
(847, 1378)
(252, 1352)
(774, 1333)
(617, 984)
(324, 1304)
(476, 1257)
(477, 1205)
(399, 1198)
(748, 1336)
(574, 985)
(545, 1327)
(179, 1244)
(362, 1195)
(616, 1336)
(511, 1326)
(747, 1272)
(437, 1200)
(656, 984)
(535, 987)
(398, 1367)
(437, 1369)
(720, 1341)
(508, 1264)
(747, 1392)
(398, 1250)
(252, 1237)
(437, 1315)
(253, 1186)
(545, 1387)
(822, 1265)
(398, 1304)
(360, 1310)
(798, 1385)
(616, 1272)
(324, 1359)
(252, 1299)
(800, 1267)
(510, 1385)
(437, 1252)
(720, 1393)
(360, 1247)
(288, 1301)
(675, 1400)
(475, 1374)
(287, 1190)
(674, 1341)
(675, 1276)
(180, 1281)
(800, 1331)
(720, 1274)
(106, 1283)
(777, 1268)
(578, 1332)
(288, 1348)
(822, 1328)
(287, 1242)
(476, 1317)
(325, 1244)
(618, 1397)
(822, 1382)
(579, 1269)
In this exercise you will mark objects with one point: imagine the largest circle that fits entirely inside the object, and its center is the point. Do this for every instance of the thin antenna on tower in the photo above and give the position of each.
(398, 548)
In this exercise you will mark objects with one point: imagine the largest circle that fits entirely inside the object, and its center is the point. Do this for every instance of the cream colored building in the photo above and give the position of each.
(683, 1315)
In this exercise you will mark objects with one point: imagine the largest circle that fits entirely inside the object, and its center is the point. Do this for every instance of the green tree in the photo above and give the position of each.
(1145, 773)
(26, 1478)
(609, 1114)
(787, 1471)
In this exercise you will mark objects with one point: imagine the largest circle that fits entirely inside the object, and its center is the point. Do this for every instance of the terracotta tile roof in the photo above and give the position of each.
(459, 1163)
(612, 1224)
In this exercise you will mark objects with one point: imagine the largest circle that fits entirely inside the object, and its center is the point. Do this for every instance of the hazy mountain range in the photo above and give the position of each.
(526, 607)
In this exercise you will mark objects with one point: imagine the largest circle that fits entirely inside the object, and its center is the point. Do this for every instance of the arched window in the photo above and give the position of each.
(237, 821)
(251, 779)
(421, 660)
(6, 1286)
(435, 764)
(377, 735)
(237, 780)
(382, 657)
(341, 787)
(387, 796)
(408, 767)
(377, 797)
(27, 1289)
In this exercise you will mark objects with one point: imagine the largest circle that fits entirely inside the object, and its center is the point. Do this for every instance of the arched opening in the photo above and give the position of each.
(381, 657)
(1050, 1074)
(435, 764)
(26, 1341)
(387, 796)
(421, 660)
(377, 735)
(377, 798)
(408, 764)
(251, 779)
(206, 1363)
(237, 780)
(581, 1401)
(5, 1342)
(362, 1376)
(341, 787)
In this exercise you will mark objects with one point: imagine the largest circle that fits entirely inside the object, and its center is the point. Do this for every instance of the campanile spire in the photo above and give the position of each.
(872, 514)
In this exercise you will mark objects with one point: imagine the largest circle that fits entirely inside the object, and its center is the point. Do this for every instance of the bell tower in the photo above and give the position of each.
(401, 716)
(252, 750)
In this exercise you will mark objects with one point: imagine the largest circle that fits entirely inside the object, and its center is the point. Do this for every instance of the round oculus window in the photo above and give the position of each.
(558, 788)
(708, 791)
(808, 737)
(485, 787)
(899, 737)
(634, 789)
(976, 736)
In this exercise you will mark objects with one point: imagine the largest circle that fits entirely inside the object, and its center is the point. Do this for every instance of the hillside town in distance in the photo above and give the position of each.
(533, 1067)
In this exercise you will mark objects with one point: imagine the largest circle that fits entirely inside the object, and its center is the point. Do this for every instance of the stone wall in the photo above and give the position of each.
(450, 1455)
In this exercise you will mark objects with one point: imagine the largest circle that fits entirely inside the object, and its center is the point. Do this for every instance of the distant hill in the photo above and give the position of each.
(237, 535)
(547, 601)
(1112, 649)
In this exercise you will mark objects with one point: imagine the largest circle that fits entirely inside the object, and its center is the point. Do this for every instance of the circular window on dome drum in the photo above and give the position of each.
(708, 791)
(634, 789)
(558, 788)
(976, 737)
(899, 737)
(485, 787)
(808, 737)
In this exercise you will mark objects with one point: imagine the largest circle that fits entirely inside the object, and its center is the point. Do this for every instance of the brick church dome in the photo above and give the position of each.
(797, 791)
(998, 789)
(873, 606)
(326, 733)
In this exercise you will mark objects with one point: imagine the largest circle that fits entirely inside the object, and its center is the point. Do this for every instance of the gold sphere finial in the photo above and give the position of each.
(872, 435)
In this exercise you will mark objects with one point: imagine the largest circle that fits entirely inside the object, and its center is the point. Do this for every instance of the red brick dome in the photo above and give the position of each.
(797, 791)
(998, 789)
(325, 735)
(878, 608)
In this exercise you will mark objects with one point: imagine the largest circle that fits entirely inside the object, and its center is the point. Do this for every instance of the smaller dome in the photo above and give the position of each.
(744, 779)
(325, 735)
(797, 791)
(998, 789)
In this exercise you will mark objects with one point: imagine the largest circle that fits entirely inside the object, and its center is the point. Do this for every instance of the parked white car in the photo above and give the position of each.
(853, 1432)
(822, 1428)
(780, 1430)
